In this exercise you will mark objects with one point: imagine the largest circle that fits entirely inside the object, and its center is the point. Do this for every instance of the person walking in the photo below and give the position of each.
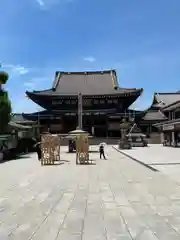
(101, 151)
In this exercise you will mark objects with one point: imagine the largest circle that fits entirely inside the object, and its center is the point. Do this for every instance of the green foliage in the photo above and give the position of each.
(5, 105)
(3, 77)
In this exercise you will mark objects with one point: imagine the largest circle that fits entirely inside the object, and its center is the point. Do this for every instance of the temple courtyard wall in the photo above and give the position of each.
(118, 198)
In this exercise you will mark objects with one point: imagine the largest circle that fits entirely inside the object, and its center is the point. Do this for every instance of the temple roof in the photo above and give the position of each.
(135, 131)
(19, 119)
(164, 99)
(88, 83)
(18, 126)
(154, 115)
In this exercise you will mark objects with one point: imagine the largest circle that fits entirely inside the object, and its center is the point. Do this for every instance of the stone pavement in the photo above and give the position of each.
(113, 199)
(164, 159)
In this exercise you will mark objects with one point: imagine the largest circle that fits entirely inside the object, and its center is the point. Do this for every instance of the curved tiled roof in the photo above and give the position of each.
(151, 115)
(88, 83)
(166, 98)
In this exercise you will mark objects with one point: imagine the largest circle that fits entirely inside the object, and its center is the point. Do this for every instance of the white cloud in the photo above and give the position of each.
(46, 4)
(15, 69)
(21, 70)
(41, 2)
(90, 59)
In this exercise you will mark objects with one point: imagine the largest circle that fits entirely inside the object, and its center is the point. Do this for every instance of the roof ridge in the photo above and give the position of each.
(56, 80)
(164, 93)
(86, 72)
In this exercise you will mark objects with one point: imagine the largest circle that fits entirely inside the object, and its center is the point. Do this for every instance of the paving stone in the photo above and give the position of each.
(113, 199)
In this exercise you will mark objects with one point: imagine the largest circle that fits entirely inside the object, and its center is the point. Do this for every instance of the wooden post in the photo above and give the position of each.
(80, 111)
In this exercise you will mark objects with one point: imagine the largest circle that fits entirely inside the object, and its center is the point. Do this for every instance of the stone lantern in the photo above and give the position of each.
(124, 143)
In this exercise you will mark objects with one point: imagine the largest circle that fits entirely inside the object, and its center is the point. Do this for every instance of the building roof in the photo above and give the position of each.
(154, 115)
(88, 83)
(18, 118)
(171, 106)
(163, 99)
(134, 129)
(18, 126)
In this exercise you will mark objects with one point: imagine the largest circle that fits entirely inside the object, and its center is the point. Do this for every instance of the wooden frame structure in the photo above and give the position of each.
(82, 149)
(82, 146)
(50, 149)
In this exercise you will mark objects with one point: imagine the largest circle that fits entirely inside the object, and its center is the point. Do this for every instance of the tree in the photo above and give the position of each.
(5, 104)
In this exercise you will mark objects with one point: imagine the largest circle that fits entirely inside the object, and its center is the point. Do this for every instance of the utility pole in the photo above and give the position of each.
(80, 110)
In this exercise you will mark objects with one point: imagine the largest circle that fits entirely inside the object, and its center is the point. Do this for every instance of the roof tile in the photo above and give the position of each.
(154, 115)
(167, 98)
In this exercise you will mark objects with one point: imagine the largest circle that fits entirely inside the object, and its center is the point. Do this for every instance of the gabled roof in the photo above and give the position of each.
(17, 117)
(163, 99)
(135, 131)
(88, 83)
(154, 115)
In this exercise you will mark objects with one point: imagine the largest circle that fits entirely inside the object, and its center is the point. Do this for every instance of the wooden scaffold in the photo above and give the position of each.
(50, 149)
(82, 146)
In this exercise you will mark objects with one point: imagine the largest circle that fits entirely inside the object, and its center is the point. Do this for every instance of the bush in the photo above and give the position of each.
(3, 77)
(5, 105)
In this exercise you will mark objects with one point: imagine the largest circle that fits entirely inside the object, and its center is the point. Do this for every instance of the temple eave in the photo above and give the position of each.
(116, 93)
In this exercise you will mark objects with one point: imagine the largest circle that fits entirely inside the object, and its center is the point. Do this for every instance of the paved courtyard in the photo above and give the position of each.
(109, 200)
(164, 159)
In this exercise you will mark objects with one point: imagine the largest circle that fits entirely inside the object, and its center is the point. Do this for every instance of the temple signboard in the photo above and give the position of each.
(168, 127)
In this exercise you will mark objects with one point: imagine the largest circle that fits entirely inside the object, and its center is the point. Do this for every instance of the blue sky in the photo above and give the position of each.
(139, 38)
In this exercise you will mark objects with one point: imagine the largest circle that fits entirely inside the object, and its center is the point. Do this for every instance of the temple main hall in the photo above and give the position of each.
(104, 103)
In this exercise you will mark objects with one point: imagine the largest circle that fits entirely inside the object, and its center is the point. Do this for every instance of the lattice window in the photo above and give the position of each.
(87, 102)
(115, 101)
(73, 102)
(102, 101)
(96, 102)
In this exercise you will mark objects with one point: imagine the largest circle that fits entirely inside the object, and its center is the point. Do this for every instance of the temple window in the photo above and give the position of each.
(102, 101)
(87, 102)
(115, 101)
(73, 102)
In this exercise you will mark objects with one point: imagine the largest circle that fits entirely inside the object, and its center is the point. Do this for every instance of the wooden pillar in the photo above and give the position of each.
(150, 128)
(162, 137)
(173, 139)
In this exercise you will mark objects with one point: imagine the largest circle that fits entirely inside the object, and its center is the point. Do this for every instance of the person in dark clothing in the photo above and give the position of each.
(38, 149)
(101, 151)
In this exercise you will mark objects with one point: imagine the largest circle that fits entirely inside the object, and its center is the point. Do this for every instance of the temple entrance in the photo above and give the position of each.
(114, 134)
(69, 123)
(100, 131)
